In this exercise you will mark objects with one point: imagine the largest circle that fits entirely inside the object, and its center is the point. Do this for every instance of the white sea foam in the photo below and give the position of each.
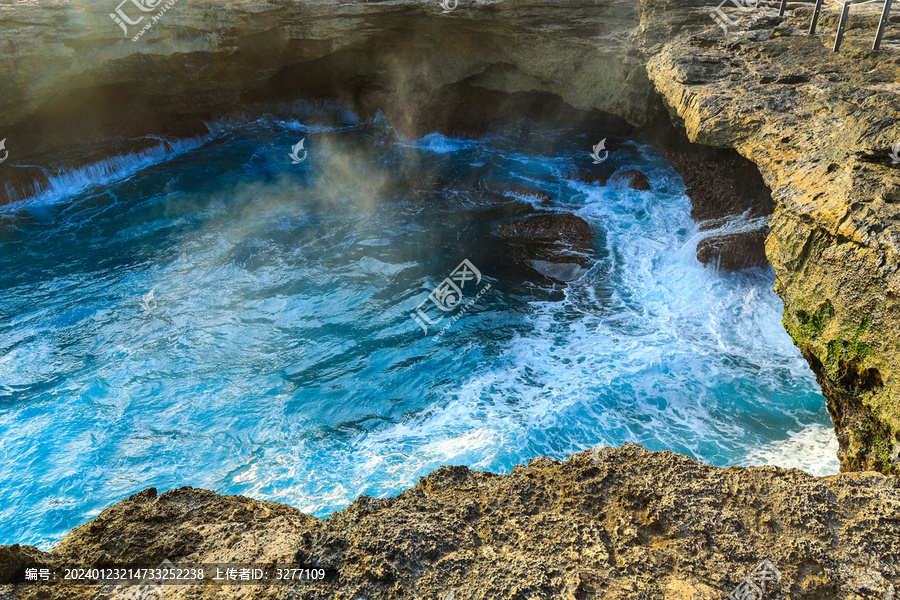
(653, 348)
(279, 361)
(813, 449)
(71, 182)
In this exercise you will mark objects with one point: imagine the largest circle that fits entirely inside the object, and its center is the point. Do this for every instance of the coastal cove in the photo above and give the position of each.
(228, 319)
(492, 299)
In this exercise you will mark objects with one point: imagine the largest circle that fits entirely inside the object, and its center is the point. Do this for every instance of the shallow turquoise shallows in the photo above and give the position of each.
(213, 313)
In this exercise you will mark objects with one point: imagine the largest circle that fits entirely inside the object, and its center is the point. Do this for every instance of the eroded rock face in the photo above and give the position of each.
(819, 126)
(734, 251)
(613, 523)
(723, 186)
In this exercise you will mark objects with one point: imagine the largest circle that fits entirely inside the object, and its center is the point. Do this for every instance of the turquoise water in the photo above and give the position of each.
(210, 314)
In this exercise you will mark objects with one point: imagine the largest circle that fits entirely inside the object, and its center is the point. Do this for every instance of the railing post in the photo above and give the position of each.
(781, 9)
(841, 25)
(881, 25)
(815, 18)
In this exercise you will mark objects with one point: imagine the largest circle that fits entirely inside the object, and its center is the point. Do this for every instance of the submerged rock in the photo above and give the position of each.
(631, 179)
(611, 523)
(554, 245)
(523, 192)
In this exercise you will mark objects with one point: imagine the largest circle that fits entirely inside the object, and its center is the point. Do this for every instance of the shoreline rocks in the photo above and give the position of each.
(612, 523)
(818, 126)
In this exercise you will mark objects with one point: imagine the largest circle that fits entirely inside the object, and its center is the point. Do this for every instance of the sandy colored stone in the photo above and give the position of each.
(611, 523)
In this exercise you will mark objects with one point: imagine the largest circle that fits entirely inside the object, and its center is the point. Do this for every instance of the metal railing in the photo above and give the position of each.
(845, 13)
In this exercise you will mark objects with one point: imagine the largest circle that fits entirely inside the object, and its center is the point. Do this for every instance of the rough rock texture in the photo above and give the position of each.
(722, 185)
(820, 127)
(611, 523)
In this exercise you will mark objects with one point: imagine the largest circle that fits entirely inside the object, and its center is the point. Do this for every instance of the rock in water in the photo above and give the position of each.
(734, 251)
(523, 192)
(631, 179)
(554, 245)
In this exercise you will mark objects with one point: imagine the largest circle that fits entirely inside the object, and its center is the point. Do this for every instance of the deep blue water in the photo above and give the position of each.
(210, 314)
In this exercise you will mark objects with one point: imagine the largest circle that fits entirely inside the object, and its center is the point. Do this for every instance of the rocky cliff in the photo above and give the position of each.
(612, 524)
(772, 108)
(820, 126)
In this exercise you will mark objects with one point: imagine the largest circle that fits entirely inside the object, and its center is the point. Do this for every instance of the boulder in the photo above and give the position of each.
(554, 245)
(631, 179)
(734, 251)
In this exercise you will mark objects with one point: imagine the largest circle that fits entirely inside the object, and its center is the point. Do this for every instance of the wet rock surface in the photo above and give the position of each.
(631, 179)
(553, 245)
(734, 251)
(611, 523)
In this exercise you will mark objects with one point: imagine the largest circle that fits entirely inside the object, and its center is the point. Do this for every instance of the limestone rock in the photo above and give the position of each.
(787, 103)
(610, 523)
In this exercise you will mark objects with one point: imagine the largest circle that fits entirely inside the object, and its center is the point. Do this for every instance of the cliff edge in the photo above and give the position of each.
(610, 523)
